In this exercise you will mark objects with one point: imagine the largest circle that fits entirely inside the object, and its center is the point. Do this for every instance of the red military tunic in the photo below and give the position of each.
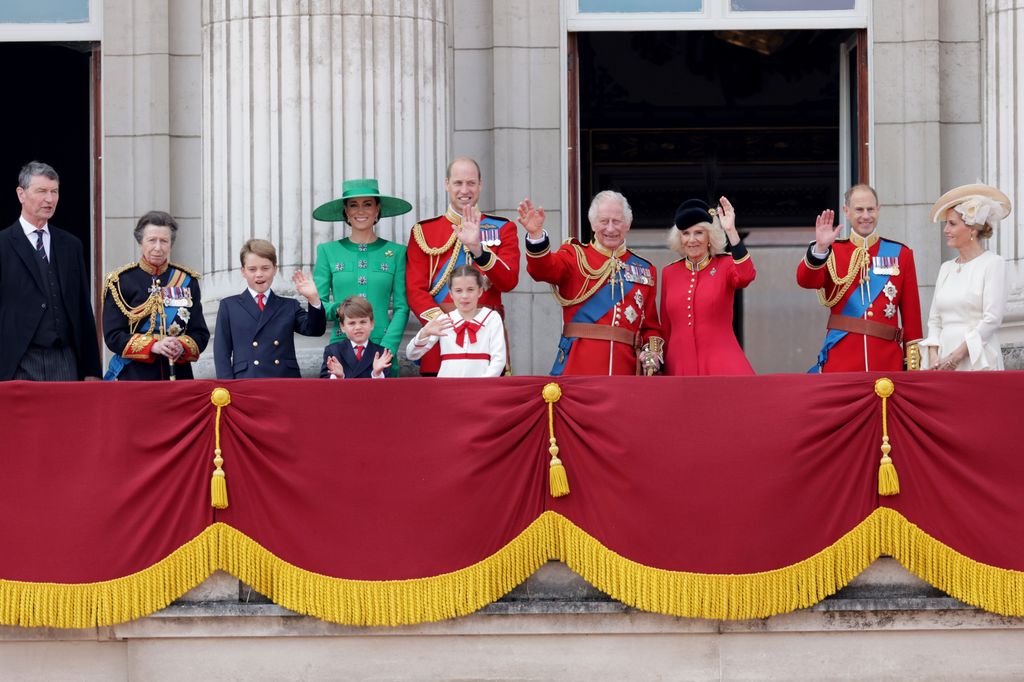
(696, 315)
(432, 253)
(630, 290)
(858, 352)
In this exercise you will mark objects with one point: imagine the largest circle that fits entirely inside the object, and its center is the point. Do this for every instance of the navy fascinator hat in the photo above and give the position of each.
(692, 212)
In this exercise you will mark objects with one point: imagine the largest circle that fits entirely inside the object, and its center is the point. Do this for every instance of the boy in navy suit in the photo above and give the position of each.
(355, 356)
(255, 329)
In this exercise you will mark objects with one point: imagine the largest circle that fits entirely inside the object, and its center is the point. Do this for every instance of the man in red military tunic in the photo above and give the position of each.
(870, 285)
(459, 237)
(607, 292)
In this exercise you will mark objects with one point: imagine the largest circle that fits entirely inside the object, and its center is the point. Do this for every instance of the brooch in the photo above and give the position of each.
(389, 253)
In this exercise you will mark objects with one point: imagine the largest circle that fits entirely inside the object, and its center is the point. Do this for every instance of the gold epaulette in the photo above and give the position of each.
(113, 275)
(187, 271)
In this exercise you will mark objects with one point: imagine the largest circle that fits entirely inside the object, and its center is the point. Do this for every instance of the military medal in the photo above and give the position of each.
(490, 236)
(885, 265)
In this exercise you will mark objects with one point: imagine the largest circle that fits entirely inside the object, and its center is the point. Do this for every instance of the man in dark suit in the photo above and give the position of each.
(47, 328)
(255, 329)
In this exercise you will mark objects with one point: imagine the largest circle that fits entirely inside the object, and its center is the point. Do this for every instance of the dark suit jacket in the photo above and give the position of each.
(254, 344)
(23, 298)
(353, 370)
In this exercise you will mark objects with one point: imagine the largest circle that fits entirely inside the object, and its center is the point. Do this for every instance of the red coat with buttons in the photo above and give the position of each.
(860, 352)
(635, 308)
(696, 315)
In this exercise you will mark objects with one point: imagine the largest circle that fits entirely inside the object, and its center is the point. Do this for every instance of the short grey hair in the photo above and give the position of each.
(607, 195)
(34, 168)
(156, 219)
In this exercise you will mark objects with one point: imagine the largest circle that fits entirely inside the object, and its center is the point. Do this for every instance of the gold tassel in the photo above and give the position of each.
(219, 483)
(888, 480)
(558, 480)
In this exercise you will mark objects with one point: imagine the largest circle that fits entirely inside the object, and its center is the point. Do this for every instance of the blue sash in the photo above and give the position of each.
(592, 310)
(117, 362)
(854, 307)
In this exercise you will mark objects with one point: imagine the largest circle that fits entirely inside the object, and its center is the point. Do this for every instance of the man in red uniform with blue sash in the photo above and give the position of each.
(870, 285)
(461, 236)
(607, 292)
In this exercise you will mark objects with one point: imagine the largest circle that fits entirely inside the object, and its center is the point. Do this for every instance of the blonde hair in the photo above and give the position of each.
(716, 238)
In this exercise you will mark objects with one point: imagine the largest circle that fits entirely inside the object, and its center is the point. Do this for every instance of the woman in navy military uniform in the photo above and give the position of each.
(152, 310)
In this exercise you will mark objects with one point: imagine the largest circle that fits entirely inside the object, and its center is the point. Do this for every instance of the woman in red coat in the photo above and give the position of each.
(697, 292)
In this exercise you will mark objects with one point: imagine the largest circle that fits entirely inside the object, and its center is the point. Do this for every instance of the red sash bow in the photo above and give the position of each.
(470, 327)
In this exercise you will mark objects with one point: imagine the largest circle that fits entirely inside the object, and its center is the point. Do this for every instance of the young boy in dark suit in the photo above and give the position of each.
(355, 356)
(255, 329)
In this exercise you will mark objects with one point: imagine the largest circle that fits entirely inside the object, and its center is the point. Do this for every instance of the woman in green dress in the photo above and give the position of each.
(364, 264)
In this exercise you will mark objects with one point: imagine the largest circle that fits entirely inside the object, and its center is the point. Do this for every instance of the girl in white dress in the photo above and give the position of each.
(970, 292)
(472, 338)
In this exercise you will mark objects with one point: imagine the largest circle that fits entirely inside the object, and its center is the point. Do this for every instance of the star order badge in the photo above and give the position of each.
(890, 310)
(889, 290)
(631, 313)
(639, 298)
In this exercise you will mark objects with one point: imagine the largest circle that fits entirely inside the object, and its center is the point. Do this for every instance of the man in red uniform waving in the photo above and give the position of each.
(870, 285)
(607, 292)
(462, 236)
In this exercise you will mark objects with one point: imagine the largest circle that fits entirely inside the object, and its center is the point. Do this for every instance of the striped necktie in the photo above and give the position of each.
(39, 246)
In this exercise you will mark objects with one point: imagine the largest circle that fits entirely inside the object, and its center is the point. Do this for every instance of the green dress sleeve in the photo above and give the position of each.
(399, 305)
(322, 279)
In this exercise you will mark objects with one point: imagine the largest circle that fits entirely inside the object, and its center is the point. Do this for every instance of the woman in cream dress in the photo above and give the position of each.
(970, 292)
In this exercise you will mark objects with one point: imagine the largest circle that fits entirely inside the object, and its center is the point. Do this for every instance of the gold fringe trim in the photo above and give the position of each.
(86, 605)
(389, 602)
(461, 592)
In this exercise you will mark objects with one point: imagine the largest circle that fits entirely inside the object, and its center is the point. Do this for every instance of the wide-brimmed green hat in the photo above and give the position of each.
(334, 211)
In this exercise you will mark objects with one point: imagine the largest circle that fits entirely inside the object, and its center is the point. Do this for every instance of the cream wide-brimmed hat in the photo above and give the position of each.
(978, 204)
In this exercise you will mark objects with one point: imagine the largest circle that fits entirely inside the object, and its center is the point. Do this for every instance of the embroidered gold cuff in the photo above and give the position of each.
(191, 353)
(138, 348)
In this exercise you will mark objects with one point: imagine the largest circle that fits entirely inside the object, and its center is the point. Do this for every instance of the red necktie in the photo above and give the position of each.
(259, 301)
(470, 327)
(359, 353)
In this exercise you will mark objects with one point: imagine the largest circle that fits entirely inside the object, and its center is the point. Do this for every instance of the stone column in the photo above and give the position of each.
(299, 95)
(1004, 146)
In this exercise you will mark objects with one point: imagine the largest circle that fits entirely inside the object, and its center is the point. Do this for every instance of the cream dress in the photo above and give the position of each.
(968, 306)
(488, 351)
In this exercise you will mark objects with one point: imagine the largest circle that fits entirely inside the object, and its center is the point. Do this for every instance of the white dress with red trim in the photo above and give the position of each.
(472, 348)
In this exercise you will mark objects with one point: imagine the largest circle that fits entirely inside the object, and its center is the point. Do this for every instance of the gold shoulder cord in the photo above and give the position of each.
(594, 278)
(843, 284)
(417, 235)
(135, 315)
